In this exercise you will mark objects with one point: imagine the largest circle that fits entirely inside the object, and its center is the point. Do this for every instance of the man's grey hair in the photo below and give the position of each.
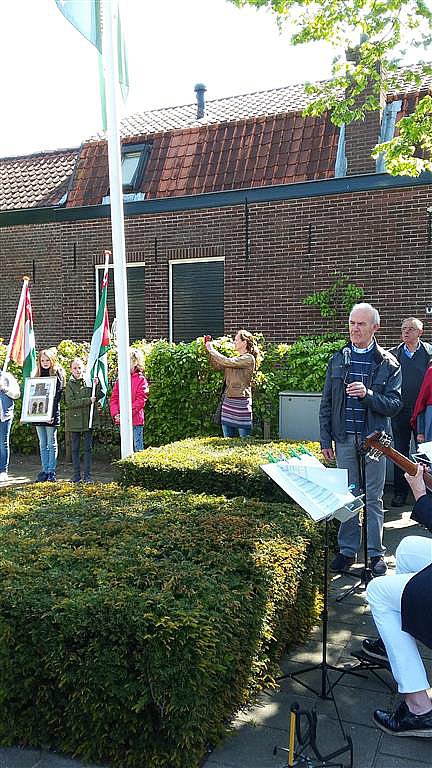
(414, 321)
(374, 312)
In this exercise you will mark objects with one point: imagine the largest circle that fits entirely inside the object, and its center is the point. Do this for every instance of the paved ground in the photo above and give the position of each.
(258, 730)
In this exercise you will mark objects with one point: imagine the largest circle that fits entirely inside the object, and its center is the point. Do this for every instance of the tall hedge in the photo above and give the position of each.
(184, 389)
(133, 624)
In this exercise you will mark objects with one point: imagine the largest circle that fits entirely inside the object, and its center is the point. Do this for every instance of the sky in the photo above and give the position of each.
(50, 87)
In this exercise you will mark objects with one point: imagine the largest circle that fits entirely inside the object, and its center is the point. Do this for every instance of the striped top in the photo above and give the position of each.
(359, 370)
(237, 411)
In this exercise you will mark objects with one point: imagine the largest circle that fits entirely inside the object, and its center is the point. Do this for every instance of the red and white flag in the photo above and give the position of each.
(22, 348)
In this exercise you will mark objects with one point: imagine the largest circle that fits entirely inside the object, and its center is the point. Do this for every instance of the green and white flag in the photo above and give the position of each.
(97, 364)
(86, 17)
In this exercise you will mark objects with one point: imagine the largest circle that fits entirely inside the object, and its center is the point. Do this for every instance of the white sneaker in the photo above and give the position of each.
(3, 477)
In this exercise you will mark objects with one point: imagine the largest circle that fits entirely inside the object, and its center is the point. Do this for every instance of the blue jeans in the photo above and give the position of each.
(230, 431)
(48, 448)
(5, 428)
(350, 532)
(138, 438)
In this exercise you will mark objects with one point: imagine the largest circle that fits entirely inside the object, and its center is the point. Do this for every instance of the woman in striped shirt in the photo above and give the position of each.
(236, 414)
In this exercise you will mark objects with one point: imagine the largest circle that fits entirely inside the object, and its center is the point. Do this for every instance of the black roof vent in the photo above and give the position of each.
(200, 90)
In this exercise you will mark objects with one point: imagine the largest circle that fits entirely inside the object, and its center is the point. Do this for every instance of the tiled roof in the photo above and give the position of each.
(291, 98)
(276, 149)
(37, 180)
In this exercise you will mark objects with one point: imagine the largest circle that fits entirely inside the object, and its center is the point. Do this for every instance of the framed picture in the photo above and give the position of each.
(38, 398)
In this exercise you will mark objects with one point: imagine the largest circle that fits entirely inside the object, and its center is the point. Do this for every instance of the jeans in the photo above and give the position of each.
(384, 596)
(48, 448)
(76, 445)
(138, 437)
(230, 431)
(349, 536)
(5, 428)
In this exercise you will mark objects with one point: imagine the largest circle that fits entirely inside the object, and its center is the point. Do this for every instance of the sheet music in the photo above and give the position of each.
(322, 492)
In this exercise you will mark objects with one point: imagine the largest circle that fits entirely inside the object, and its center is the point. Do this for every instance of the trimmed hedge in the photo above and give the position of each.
(133, 623)
(210, 465)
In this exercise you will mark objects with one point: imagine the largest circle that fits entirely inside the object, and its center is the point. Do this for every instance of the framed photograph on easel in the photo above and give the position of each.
(38, 399)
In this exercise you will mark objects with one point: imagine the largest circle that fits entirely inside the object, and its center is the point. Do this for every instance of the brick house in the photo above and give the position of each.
(235, 209)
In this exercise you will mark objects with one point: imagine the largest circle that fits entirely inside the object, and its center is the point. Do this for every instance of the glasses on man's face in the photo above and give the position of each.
(405, 330)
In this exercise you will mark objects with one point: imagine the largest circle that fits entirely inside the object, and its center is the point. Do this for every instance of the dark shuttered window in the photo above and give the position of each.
(135, 294)
(197, 299)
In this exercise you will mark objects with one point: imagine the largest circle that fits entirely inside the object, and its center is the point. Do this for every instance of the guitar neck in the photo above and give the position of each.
(410, 467)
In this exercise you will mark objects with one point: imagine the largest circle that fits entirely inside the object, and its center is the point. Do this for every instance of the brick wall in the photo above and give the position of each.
(377, 238)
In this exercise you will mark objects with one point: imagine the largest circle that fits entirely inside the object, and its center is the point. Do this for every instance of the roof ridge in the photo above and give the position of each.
(41, 152)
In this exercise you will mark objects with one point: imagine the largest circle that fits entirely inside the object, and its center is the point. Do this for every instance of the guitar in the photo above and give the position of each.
(379, 443)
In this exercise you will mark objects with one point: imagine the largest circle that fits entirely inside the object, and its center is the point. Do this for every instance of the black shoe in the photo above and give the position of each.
(51, 477)
(41, 478)
(399, 500)
(403, 722)
(75, 479)
(342, 562)
(378, 566)
(375, 649)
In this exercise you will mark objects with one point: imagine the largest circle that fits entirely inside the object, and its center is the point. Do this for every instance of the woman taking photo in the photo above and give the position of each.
(236, 413)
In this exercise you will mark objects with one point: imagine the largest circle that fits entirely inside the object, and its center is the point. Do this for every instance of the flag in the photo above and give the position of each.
(97, 364)
(85, 16)
(22, 348)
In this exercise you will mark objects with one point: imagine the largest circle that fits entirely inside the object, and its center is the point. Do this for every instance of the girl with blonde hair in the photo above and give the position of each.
(48, 365)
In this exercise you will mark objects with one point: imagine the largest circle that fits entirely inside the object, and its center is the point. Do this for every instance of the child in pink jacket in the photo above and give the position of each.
(139, 391)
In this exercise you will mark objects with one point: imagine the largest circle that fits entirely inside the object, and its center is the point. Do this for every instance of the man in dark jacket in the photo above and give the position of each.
(401, 606)
(414, 357)
(361, 393)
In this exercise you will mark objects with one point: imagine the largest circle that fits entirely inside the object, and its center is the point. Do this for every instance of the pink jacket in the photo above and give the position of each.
(140, 391)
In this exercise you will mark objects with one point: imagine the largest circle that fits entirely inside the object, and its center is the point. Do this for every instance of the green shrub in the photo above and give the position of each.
(209, 465)
(133, 624)
(184, 389)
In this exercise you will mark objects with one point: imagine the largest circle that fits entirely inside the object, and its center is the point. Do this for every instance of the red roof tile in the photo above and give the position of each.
(37, 180)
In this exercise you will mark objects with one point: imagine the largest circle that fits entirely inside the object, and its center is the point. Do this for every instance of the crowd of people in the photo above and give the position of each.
(82, 413)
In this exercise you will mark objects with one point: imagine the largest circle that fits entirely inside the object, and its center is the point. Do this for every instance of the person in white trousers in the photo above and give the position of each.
(401, 605)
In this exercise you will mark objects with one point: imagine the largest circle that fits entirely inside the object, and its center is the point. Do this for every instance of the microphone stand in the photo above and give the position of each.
(366, 574)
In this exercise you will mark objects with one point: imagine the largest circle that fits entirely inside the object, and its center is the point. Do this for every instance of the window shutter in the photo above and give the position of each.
(197, 299)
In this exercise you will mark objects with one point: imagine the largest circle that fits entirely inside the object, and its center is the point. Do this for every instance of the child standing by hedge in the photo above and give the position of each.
(139, 392)
(78, 400)
(48, 365)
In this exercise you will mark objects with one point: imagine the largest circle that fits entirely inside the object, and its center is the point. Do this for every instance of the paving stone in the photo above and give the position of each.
(13, 757)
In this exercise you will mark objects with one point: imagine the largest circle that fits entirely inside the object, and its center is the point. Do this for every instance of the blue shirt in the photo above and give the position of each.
(359, 370)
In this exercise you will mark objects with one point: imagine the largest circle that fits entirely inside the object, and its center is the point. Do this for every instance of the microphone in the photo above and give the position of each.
(346, 354)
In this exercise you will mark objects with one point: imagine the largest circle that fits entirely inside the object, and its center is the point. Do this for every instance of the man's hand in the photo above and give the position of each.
(356, 389)
(416, 482)
(328, 454)
(420, 438)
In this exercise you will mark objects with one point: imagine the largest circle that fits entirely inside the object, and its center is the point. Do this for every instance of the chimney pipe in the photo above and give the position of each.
(200, 90)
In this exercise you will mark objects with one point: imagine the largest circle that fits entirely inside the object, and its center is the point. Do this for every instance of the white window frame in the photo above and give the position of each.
(170, 283)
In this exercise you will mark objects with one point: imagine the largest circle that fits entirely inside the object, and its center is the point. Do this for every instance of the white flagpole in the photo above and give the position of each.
(109, 47)
(18, 312)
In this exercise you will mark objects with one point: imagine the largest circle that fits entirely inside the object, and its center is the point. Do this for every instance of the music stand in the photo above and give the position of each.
(326, 686)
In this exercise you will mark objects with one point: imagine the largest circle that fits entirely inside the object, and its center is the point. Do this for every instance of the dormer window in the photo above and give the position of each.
(134, 161)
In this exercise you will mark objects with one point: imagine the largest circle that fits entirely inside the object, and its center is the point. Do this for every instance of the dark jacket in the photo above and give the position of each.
(77, 405)
(382, 400)
(412, 374)
(417, 596)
